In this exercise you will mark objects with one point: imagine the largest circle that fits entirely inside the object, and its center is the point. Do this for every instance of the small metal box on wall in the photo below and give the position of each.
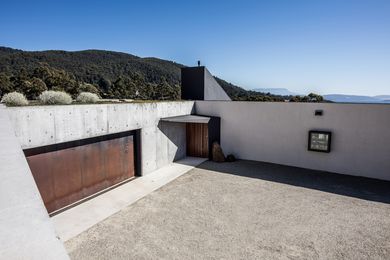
(320, 141)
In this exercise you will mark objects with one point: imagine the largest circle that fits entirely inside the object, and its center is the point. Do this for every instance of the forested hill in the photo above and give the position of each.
(114, 74)
(90, 65)
(110, 74)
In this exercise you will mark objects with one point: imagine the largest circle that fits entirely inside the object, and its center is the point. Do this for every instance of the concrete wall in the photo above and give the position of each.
(278, 133)
(160, 144)
(174, 143)
(212, 90)
(26, 231)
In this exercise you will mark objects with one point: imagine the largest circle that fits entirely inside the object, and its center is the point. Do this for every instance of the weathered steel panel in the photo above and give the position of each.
(68, 175)
(93, 173)
(41, 164)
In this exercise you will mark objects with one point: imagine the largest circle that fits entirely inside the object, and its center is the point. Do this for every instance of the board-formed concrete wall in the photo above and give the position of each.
(278, 133)
(160, 143)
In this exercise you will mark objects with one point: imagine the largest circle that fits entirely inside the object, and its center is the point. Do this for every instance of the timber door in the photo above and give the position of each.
(68, 175)
(197, 140)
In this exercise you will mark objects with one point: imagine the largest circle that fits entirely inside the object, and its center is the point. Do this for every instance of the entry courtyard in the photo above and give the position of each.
(248, 210)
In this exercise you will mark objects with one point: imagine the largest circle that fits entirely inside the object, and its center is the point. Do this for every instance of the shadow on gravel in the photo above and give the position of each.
(358, 187)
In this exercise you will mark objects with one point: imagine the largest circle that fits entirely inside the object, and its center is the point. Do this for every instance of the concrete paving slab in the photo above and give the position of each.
(78, 219)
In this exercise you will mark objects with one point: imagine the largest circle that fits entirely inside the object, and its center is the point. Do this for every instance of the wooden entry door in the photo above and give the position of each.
(68, 175)
(197, 140)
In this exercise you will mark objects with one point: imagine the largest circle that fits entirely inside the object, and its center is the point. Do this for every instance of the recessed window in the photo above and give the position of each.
(319, 141)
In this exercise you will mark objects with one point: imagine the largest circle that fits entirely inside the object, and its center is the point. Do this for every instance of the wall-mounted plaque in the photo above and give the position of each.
(319, 141)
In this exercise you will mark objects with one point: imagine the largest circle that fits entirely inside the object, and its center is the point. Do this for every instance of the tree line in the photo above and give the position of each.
(133, 86)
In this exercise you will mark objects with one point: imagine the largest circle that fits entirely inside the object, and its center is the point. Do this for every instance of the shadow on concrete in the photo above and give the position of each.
(176, 136)
(191, 161)
(346, 185)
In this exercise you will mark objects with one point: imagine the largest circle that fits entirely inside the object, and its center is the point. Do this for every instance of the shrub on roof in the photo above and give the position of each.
(87, 97)
(14, 99)
(51, 97)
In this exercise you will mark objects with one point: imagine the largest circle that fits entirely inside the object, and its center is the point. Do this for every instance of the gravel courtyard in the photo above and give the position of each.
(248, 210)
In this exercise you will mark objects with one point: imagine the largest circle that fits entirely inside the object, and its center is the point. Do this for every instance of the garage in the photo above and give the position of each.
(69, 173)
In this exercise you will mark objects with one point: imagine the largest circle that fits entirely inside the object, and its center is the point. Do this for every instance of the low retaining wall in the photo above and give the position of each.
(278, 133)
(26, 231)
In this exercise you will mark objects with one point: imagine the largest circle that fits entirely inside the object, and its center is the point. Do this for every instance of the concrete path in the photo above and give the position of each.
(248, 210)
(78, 219)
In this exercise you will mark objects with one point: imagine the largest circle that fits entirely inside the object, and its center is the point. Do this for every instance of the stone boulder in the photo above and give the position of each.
(217, 153)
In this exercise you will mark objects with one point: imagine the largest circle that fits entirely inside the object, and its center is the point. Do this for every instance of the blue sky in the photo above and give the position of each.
(306, 46)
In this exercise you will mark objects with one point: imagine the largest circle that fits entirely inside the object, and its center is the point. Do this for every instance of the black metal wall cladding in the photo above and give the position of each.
(192, 83)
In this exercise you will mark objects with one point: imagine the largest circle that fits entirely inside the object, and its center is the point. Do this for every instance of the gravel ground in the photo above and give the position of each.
(248, 210)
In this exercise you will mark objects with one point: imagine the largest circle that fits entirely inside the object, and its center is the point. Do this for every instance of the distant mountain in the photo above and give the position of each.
(276, 91)
(340, 98)
(383, 97)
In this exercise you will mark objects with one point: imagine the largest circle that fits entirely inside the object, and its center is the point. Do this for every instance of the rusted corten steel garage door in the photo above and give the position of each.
(67, 173)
